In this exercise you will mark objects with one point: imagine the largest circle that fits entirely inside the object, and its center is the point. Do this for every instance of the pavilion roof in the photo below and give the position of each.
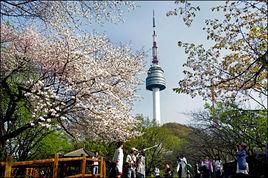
(79, 152)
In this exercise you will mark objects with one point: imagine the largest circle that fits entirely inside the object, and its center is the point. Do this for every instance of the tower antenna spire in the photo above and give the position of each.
(154, 48)
(153, 19)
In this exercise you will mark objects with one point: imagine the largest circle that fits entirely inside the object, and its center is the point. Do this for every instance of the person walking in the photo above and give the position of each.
(96, 163)
(242, 165)
(157, 172)
(218, 167)
(131, 163)
(181, 168)
(141, 165)
(197, 171)
(117, 162)
(168, 172)
(207, 168)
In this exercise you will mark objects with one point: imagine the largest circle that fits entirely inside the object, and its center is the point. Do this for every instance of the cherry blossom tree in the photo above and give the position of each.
(234, 68)
(85, 84)
(59, 14)
(63, 78)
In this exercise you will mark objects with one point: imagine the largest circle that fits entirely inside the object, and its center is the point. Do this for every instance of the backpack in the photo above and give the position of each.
(188, 168)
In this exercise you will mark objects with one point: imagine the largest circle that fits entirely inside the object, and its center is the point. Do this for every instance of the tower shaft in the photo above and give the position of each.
(156, 106)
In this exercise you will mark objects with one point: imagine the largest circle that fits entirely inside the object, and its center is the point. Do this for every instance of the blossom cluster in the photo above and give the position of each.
(84, 83)
(233, 68)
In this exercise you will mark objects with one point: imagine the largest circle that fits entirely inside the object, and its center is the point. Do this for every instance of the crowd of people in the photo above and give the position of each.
(215, 169)
(134, 165)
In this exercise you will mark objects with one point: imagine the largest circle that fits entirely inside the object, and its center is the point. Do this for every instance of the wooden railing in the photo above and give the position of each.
(30, 171)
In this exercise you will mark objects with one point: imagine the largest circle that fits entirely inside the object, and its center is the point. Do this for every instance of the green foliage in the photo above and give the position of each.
(219, 128)
(144, 122)
(251, 125)
(55, 142)
(16, 112)
(167, 139)
(104, 149)
(178, 130)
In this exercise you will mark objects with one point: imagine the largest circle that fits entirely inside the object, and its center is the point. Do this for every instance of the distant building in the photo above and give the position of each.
(79, 152)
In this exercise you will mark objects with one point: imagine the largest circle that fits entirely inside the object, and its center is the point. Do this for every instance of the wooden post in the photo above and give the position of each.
(101, 167)
(55, 166)
(83, 165)
(104, 168)
(8, 167)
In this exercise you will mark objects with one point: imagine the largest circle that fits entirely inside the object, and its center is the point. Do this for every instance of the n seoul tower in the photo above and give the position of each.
(155, 80)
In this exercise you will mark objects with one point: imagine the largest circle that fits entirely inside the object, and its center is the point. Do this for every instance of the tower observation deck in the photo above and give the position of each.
(155, 80)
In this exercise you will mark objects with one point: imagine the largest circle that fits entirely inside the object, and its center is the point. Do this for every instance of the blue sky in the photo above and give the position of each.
(137, 29)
